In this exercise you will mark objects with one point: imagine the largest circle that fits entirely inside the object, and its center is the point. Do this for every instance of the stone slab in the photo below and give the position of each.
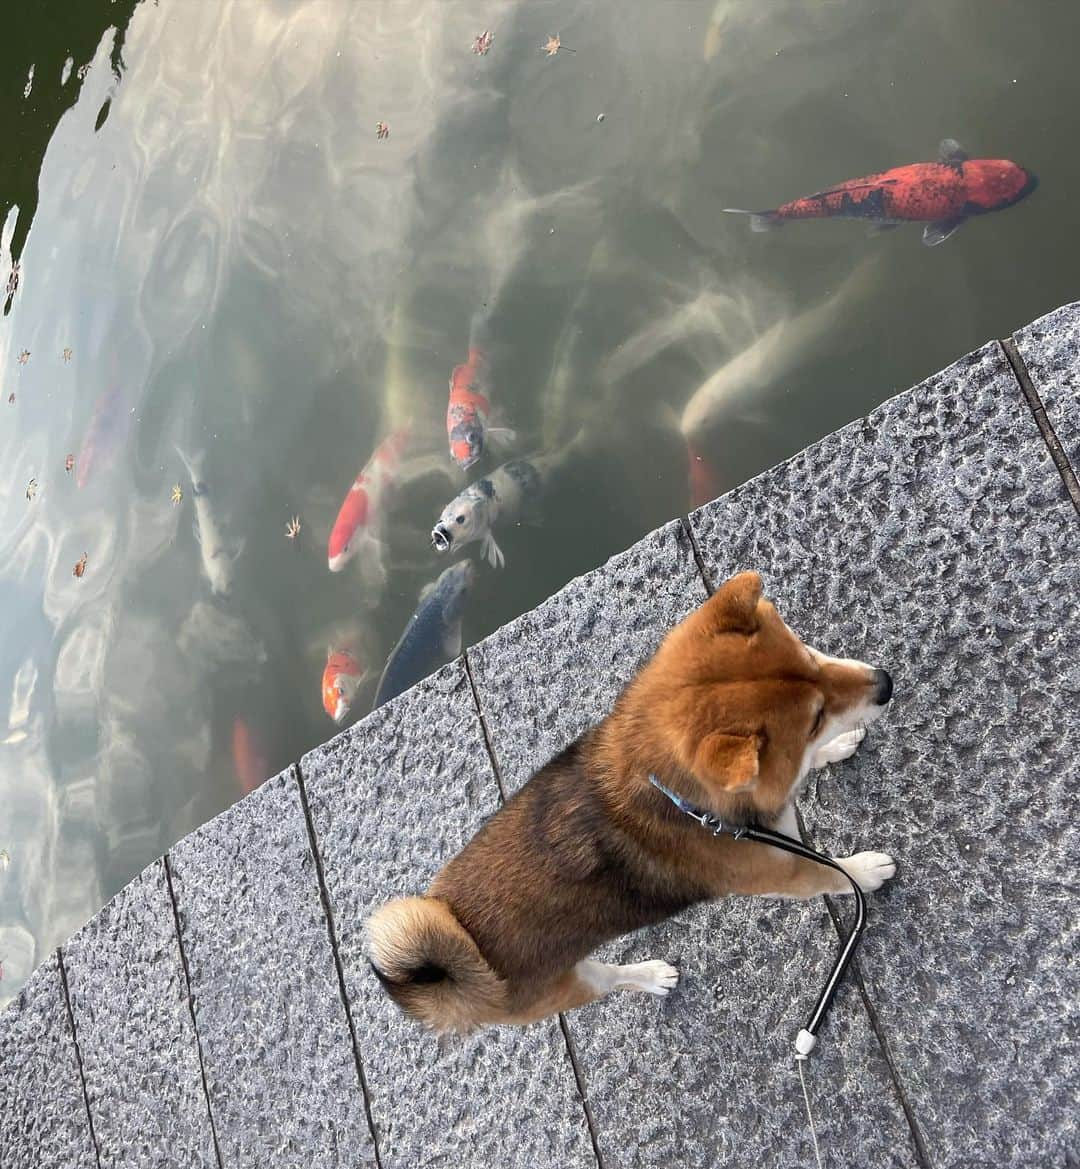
(43, 1122)
(392, 799)
(1050, 348)
(140, 1057)
(704, 1078)
(280, 1069)
(935, 538)
(545, 676)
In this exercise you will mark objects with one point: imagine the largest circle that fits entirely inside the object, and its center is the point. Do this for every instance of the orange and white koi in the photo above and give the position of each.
(468, 410)
(340, 681)
(359, 522)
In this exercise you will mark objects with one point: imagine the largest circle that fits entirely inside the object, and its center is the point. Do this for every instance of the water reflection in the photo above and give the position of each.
(239, 267)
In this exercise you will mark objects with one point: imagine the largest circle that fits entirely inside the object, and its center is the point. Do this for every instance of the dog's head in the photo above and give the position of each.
(746, 707)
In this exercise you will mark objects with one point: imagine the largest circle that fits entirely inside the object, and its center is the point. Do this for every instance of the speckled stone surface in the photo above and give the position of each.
(935, 538)
(43, 1123)
(1050, 348)
(392, 799)
(279, 1063)
(546, 676)
(140, 1057)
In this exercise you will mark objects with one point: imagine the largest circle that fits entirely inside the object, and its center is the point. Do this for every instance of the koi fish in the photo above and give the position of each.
(704, 482)
(218, 554)
(359, 522)
(941, 194)
(109, 426)
(473, 513)
(736, 389)
(433, 634)
(249, 760)
(468, 410)
(340, 681)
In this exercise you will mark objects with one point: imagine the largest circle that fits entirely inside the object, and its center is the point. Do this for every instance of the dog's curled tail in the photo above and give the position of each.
(431, 967)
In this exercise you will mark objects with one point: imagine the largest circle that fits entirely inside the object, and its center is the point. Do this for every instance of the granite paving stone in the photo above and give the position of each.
(1050, 348)
(545, 676)
(704, 1078)
(43, 1122)
(129, 1000)
(280, 1068)
(392, 799)
(935, 538)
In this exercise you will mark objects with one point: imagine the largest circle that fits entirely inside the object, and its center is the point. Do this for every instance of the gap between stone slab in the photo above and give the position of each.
(78, 1054)
(579, 1075)
(688, 528)
(1042, 420)
(331, 929)
(921, 1151)
(191, 1006)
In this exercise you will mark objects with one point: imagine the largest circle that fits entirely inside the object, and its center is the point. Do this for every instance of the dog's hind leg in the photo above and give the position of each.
(590, 980)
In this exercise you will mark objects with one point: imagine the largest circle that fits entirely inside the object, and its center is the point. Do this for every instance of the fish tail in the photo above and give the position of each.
(759, 220)
(194, 465)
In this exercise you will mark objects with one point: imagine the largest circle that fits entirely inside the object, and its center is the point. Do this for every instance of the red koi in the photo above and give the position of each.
(249, 760)
(941, 194)
(468, 409)
(704, 481)
(360, 517)
(341, 678)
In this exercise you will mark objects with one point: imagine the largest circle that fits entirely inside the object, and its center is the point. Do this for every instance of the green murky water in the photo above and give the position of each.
(208, 222)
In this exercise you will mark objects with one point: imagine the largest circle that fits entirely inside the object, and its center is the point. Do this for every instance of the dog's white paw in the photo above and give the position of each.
(842, 747)
(869, 870)
(653, 977)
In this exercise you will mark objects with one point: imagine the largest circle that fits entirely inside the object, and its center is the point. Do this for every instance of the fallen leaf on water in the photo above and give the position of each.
(11, 398)
(292, 528)
(483, 43)
(24, 356)
(80, 566)
(67, 353)
(5, 859)
(69, 464)
(382, 130)
(31, 489)
(553, 45)
(177, 495)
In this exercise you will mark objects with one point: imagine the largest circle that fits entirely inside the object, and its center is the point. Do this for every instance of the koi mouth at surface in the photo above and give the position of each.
(441, 539)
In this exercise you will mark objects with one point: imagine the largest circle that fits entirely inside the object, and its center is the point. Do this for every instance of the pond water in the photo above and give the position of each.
(217, 251)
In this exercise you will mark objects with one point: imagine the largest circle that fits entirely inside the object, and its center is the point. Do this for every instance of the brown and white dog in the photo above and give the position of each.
(732, 713)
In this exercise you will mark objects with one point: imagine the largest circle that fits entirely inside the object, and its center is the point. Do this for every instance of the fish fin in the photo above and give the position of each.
(452, 641)
(939, 231)
(501, 437)
(949, 150)
(759, 220)
(879, 228)
(193, 464)
(238, 548)
(492, 552)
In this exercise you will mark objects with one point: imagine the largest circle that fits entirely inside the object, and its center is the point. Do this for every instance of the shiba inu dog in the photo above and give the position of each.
(732, 712)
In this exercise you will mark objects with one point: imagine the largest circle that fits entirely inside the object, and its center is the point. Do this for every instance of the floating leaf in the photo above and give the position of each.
(24, 356)
(292, 528)
(69, 464)
(382, 130)
(11, 398)
(80, 566)
(67, 353)
(553, 45)
(483, 43)
(177, 495)
(31, 489)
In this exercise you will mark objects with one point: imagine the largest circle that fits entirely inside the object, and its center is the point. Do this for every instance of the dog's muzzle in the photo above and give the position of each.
(441, 538)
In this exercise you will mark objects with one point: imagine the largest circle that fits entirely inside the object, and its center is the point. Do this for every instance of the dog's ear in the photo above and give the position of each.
(727, 761)
(733, 607)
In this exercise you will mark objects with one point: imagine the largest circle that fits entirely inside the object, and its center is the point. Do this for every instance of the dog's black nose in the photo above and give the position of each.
(883, 683)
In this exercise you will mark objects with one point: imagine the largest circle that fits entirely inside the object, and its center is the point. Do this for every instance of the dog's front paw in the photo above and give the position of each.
(869, 870)
(653, 977)
(842, 747)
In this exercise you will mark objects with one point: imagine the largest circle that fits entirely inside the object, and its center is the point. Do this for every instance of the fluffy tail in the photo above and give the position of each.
(759, 220)
(431, 967)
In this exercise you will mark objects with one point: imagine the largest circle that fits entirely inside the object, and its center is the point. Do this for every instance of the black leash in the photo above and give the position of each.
(806, 1040)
